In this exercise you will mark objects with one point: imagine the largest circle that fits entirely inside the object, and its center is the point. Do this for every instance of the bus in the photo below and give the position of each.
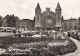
(7, 29)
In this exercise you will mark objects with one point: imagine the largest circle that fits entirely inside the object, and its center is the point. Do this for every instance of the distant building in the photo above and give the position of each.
(48, 19)
(26, 24)
(53, 20)
(70, 24)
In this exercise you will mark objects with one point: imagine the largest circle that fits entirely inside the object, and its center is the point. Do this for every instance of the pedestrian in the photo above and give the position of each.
(19, 32)
(14, 31)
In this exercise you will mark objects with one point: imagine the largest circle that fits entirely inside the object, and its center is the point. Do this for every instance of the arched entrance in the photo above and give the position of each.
(49, 23)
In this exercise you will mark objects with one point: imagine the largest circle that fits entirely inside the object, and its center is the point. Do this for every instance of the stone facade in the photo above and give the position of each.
(70, 24)
(48, 19)
(26, 24)
(52, 20)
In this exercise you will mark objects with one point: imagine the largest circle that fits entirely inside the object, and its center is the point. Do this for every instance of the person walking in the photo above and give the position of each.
(14, 31)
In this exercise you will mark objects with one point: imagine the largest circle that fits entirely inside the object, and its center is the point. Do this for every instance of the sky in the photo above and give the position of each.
(25, 9)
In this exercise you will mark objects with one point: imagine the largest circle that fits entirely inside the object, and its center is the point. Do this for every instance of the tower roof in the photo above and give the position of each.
(38, 7)
(58, 6)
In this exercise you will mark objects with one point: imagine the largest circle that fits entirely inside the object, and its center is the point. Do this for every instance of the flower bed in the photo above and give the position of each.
(45, 46)
(70, 47)
(58, 43)
(42, 48)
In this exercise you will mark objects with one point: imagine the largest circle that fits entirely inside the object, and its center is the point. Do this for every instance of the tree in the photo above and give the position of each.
(1, 21)
(11, 20)
(79, 23)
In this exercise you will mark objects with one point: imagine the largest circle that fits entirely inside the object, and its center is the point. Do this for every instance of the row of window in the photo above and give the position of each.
(70, 27)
